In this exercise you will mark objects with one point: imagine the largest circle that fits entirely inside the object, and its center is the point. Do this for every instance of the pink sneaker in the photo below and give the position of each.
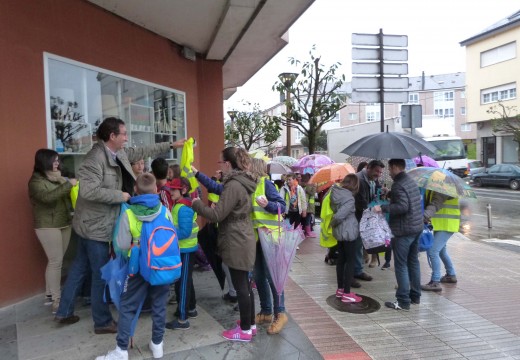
(253, 328)
(237, 334)
(351, 298)
(339, 293)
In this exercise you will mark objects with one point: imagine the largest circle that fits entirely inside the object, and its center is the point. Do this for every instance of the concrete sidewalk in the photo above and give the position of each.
(477, 318)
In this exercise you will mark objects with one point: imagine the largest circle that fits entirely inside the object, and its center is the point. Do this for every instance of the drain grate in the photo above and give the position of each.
(366, 306)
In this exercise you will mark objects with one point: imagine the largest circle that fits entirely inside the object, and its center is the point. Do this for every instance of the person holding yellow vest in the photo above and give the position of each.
(184, 219)
(444, 214)
(267, 203)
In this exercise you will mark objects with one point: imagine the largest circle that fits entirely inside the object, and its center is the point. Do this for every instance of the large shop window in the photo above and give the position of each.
(79, 97)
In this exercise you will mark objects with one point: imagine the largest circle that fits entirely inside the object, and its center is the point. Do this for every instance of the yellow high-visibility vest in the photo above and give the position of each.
(326, 238)
(261, 217)
(186, 161)
(191, 241)
(447, 218)
(214, 197)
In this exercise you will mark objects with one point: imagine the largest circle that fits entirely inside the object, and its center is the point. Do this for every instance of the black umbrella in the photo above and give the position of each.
(207, 237)
(390, 145)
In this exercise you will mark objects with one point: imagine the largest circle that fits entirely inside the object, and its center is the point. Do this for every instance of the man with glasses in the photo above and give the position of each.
(107, 180)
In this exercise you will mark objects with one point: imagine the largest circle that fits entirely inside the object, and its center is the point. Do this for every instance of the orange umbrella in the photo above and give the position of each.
(330, 174)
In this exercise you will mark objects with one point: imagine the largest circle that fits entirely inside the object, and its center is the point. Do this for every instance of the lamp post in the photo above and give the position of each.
(287, 80)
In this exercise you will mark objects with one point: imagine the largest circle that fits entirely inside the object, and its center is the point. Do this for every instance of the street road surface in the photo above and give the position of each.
(505, 217)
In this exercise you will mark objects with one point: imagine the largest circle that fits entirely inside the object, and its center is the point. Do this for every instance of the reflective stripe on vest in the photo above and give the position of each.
(326, 238)
(214, 197)
(190, 241)
(260, 217)
(447, 218)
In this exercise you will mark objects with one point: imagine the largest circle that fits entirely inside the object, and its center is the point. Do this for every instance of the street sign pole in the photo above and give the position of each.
(381, 84)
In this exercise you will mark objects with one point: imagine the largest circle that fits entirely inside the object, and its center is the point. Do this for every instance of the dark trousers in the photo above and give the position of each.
(407, 268)
(184, 289)
(345, 264)
(135, 291)
(246, 300)
(294, 218)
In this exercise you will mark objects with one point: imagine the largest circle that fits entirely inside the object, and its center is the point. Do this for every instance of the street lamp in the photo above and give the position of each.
(287, 80)
(232, 114)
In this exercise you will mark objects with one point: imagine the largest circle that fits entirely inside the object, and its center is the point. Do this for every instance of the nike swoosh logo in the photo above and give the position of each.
(159, 250)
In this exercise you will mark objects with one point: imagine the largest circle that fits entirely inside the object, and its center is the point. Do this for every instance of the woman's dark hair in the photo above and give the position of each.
(351, 182)
(43, 160)
(361, 166)
(237, 157)
(176, 168)
(306, 177)
(108, 126)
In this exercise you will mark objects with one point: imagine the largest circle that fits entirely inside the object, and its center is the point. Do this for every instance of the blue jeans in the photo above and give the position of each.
(91, 255)
(438, 252)
(265, 286)
(359, 261)
(407, 269)
(136, 290)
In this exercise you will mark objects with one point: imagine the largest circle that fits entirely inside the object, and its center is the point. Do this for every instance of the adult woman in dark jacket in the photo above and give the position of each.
(49, 193)
(236, 240)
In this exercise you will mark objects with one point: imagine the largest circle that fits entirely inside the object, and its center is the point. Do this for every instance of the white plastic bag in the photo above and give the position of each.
(374, 229)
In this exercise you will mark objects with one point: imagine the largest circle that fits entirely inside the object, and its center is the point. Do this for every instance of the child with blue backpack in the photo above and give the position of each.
(147, 226)
(185, 221)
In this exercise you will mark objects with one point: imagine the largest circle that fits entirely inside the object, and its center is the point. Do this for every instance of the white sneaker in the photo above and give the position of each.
(157, 350)
(116, 354)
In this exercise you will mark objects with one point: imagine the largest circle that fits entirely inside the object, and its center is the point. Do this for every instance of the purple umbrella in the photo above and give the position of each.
(314, 161)
(279, 247)
(425, 161)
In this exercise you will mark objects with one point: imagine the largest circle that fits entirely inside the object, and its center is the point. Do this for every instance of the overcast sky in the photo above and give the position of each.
(434, 29)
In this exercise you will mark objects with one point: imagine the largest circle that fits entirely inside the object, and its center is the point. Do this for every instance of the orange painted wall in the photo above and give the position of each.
(80, 31)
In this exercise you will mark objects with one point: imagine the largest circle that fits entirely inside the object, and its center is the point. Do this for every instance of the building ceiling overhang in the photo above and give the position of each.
(244, 34)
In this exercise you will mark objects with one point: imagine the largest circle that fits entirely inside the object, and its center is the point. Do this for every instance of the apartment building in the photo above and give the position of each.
(492, 76)
(443, 102)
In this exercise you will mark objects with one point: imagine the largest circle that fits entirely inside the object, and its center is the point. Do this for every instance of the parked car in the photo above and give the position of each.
(499, 175)
(475, 167)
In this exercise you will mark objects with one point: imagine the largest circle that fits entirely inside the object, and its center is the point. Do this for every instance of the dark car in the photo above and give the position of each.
(475, 167)
(499, 175)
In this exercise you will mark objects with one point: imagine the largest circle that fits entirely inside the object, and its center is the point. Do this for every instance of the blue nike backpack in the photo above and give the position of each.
(157, 257)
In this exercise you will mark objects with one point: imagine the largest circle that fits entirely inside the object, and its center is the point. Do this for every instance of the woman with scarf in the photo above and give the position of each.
(295, 200)
(49, 193)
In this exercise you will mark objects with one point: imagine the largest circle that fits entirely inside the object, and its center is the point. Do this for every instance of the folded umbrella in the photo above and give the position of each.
(389, 145)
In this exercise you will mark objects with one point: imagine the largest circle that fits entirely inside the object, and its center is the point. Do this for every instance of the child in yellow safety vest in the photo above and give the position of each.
(184, 219)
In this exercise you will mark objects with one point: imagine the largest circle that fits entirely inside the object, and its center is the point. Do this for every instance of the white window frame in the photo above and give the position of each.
(353, 116)
(463, 110)
(413, 98)
(498, 93)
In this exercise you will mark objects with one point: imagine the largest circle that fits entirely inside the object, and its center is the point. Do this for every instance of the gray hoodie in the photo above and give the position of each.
(345, 226)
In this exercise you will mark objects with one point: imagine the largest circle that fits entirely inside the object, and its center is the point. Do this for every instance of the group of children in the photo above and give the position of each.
(164, 188)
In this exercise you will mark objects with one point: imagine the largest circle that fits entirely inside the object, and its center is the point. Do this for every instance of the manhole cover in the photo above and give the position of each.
(367, 305)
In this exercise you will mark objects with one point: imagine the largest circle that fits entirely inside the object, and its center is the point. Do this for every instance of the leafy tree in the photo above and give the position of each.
(321, 141)
(314, 97)
(506, 120)
(248, 128)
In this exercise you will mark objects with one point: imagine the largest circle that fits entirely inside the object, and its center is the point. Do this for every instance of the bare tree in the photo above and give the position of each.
(249, 128)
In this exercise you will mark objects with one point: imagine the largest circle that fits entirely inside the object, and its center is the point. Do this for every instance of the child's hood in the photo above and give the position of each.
(145, 207)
